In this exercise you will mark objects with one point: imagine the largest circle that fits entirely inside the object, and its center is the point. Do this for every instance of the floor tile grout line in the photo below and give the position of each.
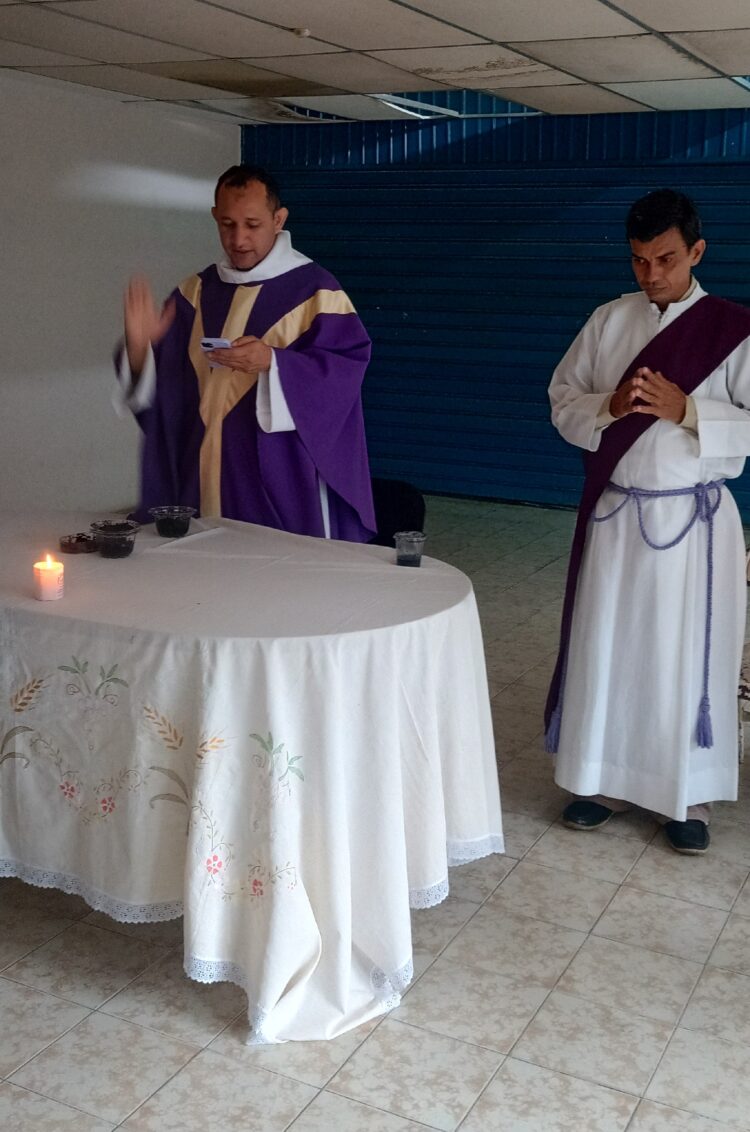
(63, 1104)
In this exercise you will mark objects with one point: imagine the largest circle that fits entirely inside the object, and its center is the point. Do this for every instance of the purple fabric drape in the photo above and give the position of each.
(686, 352)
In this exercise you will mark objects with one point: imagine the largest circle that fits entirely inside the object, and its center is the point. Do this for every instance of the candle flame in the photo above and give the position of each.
(49, 562)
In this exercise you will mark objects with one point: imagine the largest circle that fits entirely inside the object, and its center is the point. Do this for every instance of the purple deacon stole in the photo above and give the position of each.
(686, 352)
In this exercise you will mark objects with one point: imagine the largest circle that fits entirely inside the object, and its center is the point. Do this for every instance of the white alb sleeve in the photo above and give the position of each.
(134, 396)
(576, 408)
(271, 409)
(724, 425)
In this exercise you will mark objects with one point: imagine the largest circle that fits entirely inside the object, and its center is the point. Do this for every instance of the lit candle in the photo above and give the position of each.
(48, 579)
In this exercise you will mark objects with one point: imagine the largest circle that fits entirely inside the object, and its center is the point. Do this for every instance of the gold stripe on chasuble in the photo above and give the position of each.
(220, 388)
(294, 324)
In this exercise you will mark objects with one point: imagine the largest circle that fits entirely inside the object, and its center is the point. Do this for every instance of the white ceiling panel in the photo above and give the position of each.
(21, 55)
(40, 26)
(356, 106)
(687, 94)
(686, 15)
(471, 67)
(624, 59)
(505, 20)
(191, 23)
(579, 99)
(239, 77)
(125, 81)
(350, 72)
(728, 51)
(362, 25)
(256, 109)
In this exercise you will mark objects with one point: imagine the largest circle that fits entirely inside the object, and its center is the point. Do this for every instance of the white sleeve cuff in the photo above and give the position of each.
(130, 395)
(604, 417)
(271, 408)
(690, 420)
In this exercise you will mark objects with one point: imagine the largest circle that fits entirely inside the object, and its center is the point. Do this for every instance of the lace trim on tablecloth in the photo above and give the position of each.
(389, 987)
(461, 852)
(221, 971)
(116, 909)
(428, 897)
(458, 853)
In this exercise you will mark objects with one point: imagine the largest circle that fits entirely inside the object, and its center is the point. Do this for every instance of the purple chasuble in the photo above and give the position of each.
(268, 478)
(686, 352)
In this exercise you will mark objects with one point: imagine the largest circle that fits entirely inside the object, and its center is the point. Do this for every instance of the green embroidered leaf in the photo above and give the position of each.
(117, 680)
(166, 798)
(174, 776)
(16, 731)
(266, 744)
(67, 668)
(295, 759)
(14, 755)
(297, 771)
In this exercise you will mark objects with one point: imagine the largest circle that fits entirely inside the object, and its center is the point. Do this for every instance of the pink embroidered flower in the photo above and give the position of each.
(257, 887)
(107, 804)
(69, 789)
(214, 864)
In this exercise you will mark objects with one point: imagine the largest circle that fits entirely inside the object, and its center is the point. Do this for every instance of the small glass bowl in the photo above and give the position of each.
(80, 543)
(172, 522)
(115, 537)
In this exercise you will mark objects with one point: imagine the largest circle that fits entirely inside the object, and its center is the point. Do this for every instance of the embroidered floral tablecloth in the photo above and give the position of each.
(286, 739)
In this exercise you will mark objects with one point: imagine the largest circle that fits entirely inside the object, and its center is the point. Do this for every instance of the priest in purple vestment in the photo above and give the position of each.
(269, 430)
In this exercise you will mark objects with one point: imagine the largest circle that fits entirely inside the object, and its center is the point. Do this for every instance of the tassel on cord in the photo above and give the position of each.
(704, 732)
(552, 734)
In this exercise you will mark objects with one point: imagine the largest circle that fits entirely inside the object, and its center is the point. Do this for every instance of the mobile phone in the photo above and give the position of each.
(209, 344)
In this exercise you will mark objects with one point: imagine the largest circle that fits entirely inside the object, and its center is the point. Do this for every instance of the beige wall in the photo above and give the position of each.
(92, 188)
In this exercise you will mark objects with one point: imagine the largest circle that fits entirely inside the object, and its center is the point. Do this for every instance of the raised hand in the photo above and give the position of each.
(145, 324)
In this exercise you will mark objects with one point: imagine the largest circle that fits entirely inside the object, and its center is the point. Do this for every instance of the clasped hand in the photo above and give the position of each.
(648, 391)
(247, 354)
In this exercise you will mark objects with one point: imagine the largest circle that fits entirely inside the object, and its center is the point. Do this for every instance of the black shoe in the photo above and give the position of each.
(691, 836)
(586, 815)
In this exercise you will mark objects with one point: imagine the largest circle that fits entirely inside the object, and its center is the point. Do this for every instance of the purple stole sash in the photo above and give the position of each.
(686, 352)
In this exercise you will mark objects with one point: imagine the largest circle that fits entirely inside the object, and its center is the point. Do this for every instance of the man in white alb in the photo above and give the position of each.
(656, 389)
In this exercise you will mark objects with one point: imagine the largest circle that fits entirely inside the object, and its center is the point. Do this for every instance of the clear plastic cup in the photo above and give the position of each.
(409, 546)
(115, 538)
(172, 521)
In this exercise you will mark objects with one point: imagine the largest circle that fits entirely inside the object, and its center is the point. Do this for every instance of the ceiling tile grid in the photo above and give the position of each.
(251, 59)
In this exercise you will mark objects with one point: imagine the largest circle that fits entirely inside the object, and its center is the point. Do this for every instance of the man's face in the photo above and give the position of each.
(247, 224)
(663, 265)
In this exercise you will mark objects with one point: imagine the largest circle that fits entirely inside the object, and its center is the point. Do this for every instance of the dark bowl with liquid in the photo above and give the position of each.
(172, 521)
(115, 538)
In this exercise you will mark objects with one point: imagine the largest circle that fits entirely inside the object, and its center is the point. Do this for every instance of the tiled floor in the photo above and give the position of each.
(596, 982)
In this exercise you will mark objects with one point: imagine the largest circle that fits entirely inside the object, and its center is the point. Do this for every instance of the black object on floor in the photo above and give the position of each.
(586, 815)
(691, 836)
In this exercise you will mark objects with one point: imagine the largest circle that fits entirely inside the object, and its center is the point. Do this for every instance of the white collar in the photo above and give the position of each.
(281, 258)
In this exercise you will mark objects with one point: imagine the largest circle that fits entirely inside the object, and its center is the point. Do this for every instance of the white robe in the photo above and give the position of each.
(635, 664)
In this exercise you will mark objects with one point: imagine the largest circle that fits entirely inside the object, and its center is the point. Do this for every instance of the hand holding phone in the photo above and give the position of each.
(209, 344)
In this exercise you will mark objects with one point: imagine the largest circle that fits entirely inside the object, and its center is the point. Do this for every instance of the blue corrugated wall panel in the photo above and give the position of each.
(475, 249)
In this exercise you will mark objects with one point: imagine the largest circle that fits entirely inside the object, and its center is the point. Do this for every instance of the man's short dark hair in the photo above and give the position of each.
(237, 176)
(661, 210)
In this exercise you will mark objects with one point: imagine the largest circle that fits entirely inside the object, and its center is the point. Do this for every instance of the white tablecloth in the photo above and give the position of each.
(287, 739)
